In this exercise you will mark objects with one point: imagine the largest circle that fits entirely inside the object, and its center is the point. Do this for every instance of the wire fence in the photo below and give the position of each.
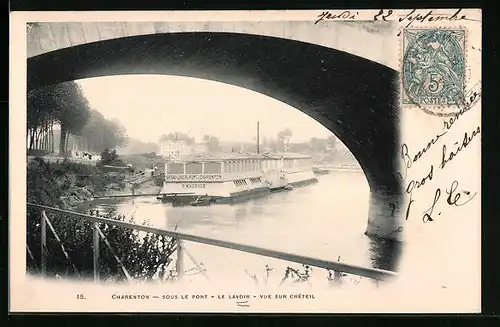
(172, 242)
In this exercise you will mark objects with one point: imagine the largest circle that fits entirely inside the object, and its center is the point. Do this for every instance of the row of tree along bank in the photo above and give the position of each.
(60, 114)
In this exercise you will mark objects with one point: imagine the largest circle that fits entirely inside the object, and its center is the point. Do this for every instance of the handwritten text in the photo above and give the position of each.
(343, 15)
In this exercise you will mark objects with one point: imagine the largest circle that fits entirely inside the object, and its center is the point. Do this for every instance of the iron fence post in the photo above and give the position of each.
(96, 252)
(43, 243)
(179, 264)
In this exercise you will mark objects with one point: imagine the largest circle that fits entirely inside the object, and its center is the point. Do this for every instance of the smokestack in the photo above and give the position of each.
(258, 142)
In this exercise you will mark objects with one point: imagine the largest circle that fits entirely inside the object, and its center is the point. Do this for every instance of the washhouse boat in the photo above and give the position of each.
(229, 177)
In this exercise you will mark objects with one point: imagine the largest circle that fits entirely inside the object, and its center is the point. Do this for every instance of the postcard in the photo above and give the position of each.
(318, 161)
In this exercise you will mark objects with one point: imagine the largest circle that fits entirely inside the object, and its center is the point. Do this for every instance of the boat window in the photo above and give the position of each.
(240, 182)
(175, 168)
(194, 168)
(212, 168)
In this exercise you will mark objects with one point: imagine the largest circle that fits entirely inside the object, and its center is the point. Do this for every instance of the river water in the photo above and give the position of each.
(324, 220)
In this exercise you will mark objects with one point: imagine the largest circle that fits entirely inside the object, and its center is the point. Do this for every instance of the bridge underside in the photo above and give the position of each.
(356, 99)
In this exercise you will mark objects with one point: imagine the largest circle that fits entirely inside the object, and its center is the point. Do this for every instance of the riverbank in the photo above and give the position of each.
(68, 185)
(73, 187)
(147, 187)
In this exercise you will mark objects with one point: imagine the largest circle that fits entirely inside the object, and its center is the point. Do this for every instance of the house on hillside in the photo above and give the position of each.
(174, 148)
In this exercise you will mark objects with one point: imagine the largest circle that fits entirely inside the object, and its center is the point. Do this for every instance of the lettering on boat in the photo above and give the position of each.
(193, 177)
(194, 185)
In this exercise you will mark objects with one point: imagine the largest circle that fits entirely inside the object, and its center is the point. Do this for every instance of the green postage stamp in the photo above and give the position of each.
(433, 67)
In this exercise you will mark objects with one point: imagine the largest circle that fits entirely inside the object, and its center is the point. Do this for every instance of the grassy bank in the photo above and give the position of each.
(68, 186)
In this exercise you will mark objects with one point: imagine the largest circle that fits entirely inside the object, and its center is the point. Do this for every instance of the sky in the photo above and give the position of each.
(151, 105)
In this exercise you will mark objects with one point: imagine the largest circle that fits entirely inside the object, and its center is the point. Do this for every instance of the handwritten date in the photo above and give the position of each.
(340, 16)
(412, 17)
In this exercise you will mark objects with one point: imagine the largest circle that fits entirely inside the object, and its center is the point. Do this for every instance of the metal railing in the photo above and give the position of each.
(338, 267)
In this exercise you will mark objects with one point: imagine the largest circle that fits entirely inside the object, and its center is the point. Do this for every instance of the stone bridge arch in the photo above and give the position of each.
(355, 98)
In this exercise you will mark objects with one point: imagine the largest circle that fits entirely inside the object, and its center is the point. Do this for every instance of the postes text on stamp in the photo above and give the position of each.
(433, 66)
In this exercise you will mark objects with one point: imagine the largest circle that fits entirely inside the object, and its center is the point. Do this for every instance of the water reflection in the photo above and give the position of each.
(385, 254)
(325, 220)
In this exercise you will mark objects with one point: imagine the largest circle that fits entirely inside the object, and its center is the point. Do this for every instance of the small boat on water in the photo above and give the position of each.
(320, 171)
(201, 201)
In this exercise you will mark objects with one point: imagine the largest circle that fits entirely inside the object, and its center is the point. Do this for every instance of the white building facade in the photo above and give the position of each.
(175, 149)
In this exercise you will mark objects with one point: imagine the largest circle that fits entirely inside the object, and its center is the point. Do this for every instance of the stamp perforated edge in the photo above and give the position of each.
(434, 110)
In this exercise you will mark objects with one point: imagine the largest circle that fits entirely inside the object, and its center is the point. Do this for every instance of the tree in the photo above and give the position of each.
(317, 144)
(212, 143)
(116, 134)
(40, 115)
(331, 142)
(62, 103)
(100, 133)
(111, 158)
(73, 112)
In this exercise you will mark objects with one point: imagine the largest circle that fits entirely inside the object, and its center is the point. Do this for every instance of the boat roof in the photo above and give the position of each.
(285, 155)
(227, 156)
(220, 156)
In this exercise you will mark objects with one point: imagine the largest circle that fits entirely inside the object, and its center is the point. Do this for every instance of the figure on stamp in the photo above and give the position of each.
(433, 66)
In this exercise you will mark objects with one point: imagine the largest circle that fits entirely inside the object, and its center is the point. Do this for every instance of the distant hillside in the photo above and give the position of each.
(135, 146)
